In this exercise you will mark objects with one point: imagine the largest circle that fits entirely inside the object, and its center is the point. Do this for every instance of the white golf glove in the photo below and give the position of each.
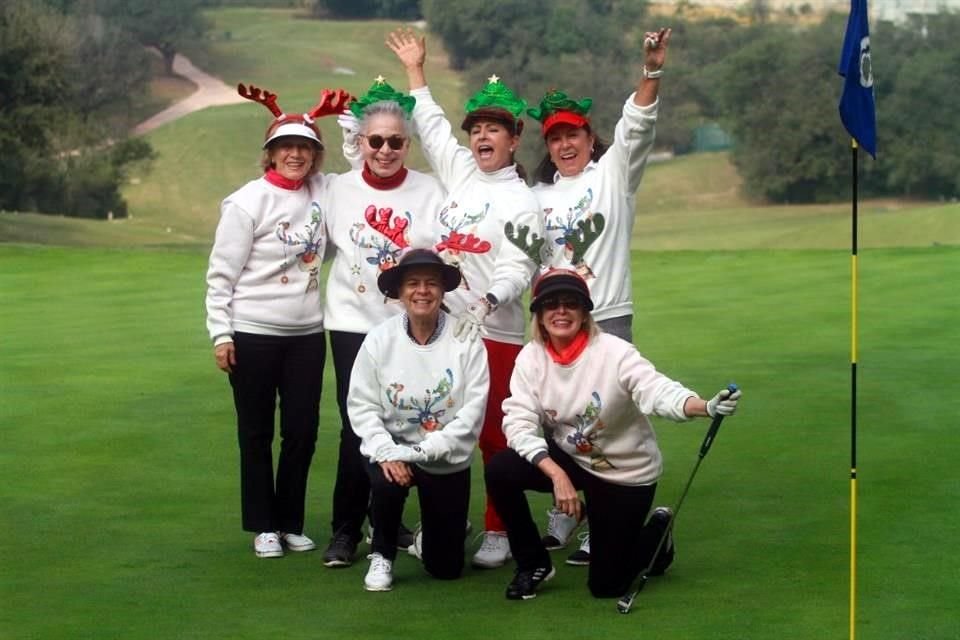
(349, 123)
(724, 403)
(470, 323)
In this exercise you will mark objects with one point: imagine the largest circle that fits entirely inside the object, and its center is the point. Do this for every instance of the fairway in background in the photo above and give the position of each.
(118, 473)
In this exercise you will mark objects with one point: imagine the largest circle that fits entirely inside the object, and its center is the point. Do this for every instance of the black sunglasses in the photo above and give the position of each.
(394, 142)
(552, 304)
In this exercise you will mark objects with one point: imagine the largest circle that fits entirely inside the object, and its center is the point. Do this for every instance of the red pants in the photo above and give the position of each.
(501, 357)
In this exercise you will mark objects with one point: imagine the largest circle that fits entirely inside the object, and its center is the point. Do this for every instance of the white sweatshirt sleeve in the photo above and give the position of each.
(652, 392)
(451, 161)
(633, 139)
(455, 442)
(522, 411)
(363, 406)
(231, 248)
(513, 270)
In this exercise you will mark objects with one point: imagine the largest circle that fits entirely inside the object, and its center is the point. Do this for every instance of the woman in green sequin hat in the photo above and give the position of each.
(491, 227)
(374, 213)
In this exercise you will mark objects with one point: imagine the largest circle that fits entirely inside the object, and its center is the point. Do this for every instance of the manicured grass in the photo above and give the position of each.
(119, 483)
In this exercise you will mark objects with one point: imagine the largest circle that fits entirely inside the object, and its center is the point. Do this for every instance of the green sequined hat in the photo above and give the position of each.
(497, 102)
(379, 91)
(557, 107)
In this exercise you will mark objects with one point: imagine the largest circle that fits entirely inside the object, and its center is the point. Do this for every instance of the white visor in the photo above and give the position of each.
(293, 129)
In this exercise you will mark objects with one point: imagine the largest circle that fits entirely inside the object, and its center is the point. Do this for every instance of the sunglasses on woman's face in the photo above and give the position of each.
(552, 304)
(394, 142)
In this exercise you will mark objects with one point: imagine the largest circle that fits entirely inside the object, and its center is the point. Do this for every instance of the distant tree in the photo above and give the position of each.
(924, 159)
(783, 116)
(54, 125)
(165, 25)
(394, 9)
(472, 31)
(33, 84)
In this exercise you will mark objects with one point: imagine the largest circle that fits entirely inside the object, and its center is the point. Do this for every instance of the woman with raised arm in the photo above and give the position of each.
(577, 420)
(265, 318)
(491, 227)
(373, 213)
(587, 190)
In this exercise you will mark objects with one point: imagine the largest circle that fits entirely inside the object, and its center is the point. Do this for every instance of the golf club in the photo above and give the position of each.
(626, 601)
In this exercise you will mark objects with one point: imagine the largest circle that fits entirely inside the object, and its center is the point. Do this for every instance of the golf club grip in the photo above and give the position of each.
(714, 426)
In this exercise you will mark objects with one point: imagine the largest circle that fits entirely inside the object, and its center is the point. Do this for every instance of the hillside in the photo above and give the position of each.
(684, 203)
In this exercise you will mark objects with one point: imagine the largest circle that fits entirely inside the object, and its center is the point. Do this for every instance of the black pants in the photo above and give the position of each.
(268, 367)
(621, 544)
(351, 493)
(444, 503)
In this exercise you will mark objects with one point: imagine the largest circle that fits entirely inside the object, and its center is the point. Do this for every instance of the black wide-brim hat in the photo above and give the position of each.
(557, 281)
(389, 280)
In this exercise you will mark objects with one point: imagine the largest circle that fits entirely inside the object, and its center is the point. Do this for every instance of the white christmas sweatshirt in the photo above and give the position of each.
(605, 190)
(432, 396)
(594, 409)
(480, 204)
(264, 273)
(366, 230)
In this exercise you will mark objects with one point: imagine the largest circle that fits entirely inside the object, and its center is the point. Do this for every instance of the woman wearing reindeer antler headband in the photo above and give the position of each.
(265, 318)
(587, 191)
(485, 223)
(373, 213)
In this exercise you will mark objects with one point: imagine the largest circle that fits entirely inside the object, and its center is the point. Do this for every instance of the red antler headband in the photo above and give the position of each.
(302, 125)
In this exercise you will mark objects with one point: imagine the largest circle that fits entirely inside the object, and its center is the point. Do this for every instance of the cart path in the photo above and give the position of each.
(210, 92)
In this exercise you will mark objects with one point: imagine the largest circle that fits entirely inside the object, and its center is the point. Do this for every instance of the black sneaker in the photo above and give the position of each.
(662, 516)
(581, 557)
(404, 537)
(524, 584)
(340, 551)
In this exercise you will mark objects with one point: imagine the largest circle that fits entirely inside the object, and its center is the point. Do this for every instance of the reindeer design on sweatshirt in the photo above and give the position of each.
(578, 229)
(586, 428)
(454, 244)
(425, 407)
(307, 246)
(387, 241)
(450, 247)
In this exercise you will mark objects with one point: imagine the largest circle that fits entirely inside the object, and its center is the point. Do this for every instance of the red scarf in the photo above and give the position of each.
(375, 181)
(572, 351)
(278, 180)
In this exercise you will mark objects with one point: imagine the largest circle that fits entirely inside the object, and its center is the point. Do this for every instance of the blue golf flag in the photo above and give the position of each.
(857, 109)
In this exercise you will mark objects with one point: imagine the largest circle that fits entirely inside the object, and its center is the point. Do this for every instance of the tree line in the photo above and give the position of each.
(773, 86)
(70, 71)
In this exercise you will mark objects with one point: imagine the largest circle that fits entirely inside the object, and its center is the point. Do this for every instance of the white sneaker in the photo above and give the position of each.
(416, 549)
(267, 545)
(494, 551)
(297, 542)
(380, 574)
(560, 528)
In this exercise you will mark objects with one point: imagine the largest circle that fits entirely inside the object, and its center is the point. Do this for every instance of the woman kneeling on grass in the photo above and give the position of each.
(416, 400)
(265, 318)
(576, 419)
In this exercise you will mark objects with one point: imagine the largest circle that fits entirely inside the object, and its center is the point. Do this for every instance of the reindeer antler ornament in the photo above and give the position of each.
(332, 102)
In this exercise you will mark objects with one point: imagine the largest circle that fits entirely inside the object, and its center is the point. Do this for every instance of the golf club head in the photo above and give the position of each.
(626, 602)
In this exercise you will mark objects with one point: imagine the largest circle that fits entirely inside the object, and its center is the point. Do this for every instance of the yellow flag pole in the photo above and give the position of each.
(853, 402)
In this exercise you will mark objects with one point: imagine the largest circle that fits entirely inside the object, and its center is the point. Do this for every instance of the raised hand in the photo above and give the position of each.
(655, 44)
(411, 50)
